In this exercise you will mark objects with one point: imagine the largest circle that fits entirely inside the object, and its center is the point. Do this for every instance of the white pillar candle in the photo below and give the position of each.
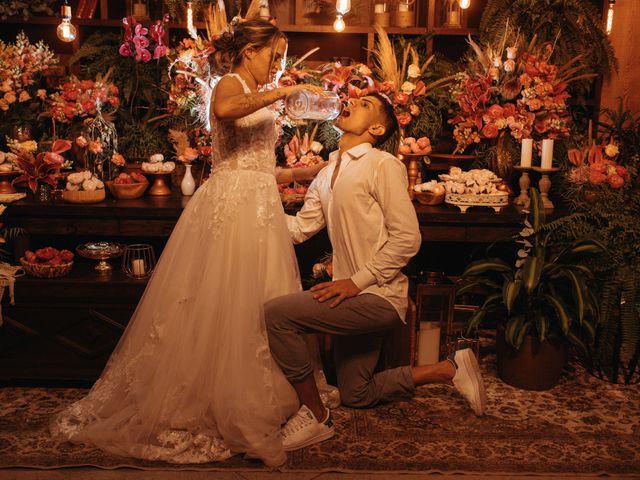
(547, 153)
(403, 7)
(526, 152)
(378, 8)
(428, 343)
(455, 18)
(137, 267)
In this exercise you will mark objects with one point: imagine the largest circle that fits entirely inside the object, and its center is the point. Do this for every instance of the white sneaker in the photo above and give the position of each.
(303, 429)
(468, 381)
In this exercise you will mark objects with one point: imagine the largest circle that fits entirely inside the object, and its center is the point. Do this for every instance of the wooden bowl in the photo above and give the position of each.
(83, 196)
(42, 270)
(428, 198)
(127, 190)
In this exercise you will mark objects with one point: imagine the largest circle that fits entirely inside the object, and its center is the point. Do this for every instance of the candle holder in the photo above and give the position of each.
(410, 160)
(159, 186)
(139, 260)
(544, 185)
(524, 183)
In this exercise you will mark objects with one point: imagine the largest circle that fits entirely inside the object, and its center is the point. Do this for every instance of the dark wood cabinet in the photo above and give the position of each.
(65, 328)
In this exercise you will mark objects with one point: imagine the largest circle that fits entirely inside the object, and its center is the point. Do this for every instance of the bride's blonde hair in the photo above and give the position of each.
(231, 45)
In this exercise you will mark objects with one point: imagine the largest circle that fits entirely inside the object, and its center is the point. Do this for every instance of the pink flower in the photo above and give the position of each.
(117, 159)
(596, 177)
(495, 112)
(404, 118)
(125, 50)
(24, 96)
(401, 98)
(490, 131)
(81, 141)
(41, 93)
(616, 181)
(10, 97)
(414, 110)
(95, 146)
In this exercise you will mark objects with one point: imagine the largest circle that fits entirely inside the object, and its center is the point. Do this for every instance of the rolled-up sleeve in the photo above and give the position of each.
(310, 219)
(390, 191)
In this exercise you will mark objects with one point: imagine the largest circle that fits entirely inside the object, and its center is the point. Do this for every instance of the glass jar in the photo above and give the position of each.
(381, 13)
(405, 14)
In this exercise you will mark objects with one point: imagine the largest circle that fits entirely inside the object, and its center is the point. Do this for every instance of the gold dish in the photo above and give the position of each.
(101, 251)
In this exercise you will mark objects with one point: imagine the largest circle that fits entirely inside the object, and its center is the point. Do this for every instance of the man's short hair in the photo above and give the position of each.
(390, 120)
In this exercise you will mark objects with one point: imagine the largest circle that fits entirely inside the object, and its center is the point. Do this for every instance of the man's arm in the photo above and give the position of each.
(310, 219)
(390, 191)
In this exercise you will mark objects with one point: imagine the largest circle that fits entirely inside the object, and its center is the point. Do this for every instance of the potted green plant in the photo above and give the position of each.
(540, 303)
(602, 189)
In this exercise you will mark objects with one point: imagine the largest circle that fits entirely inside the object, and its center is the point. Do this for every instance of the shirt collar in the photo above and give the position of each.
(354, 152)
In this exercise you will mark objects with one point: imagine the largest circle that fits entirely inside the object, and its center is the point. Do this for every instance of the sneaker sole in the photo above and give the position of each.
(317, 439)
(471, 365)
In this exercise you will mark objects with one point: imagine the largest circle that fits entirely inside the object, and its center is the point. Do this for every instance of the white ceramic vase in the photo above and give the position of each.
(188, 184)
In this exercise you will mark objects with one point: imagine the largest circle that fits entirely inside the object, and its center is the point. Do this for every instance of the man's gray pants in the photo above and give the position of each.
(358, 326)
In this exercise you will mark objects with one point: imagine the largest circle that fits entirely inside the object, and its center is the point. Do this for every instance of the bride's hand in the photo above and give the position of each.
(304, 86)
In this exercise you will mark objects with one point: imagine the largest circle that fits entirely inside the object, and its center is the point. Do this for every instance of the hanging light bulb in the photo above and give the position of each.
(193, 33)
(66, 31)
(464, 4)
(342, 7)
(610, 16)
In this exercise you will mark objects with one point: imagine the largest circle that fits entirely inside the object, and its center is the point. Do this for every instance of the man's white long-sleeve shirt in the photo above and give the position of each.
(371, 222)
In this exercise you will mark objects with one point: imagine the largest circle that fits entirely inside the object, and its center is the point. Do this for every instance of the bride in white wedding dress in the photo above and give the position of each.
(192, 379)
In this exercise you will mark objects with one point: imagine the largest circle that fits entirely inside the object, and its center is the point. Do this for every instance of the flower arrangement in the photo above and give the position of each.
(43, 167)
(13, 8)
(502, 90)
(136, 44)
(348, 81)
(596, 165)
(80, 99)
(407, 84)
(303, 152)
(21, 66)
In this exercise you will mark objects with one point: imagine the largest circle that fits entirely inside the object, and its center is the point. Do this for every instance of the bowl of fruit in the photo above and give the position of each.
(47, 262)
(128, 185)
(409, 146)
(429, 193)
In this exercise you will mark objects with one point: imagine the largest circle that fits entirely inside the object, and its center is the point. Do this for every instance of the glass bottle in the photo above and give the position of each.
(308, 105)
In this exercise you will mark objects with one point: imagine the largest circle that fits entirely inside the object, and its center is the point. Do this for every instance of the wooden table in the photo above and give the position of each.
(156, 217)
(66, 328)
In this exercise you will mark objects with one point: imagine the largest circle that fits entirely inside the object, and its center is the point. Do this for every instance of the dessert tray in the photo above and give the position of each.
(464, 201)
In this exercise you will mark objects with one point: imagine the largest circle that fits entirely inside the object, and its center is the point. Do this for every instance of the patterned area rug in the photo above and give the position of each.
(582, 426)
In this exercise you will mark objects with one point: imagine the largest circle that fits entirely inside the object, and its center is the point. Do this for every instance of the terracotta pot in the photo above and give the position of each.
(535, 366)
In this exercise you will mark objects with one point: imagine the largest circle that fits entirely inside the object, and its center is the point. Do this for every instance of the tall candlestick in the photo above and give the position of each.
(547, 153)
(526, 152)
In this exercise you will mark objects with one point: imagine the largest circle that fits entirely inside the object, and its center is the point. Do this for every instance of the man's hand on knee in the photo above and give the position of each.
(338, 288)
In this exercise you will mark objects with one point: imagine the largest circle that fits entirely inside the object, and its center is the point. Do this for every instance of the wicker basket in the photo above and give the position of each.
(42, 270)
(428, 198)
(83, 196)
(127, 190)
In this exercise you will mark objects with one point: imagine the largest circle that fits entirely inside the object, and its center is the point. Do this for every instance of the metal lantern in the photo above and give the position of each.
(435, 299)
(138, 9)
(104, 136)
(139, 260)
(452, 14)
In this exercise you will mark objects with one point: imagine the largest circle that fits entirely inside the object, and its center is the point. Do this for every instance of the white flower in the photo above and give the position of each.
(316, 147)
(512, 52)
(611, 150)
(156, 157)
(408, 88)
(497, 62)
(509, 66)
(414, 71)
(318, 270)
(364, 70)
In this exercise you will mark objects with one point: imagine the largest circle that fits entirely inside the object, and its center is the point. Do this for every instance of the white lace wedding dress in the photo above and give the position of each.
(192, 379)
